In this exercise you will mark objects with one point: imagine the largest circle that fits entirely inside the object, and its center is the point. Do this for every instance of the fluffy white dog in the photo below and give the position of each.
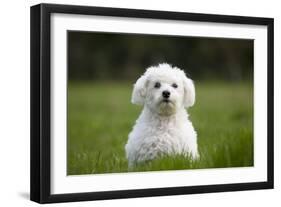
(163, 127)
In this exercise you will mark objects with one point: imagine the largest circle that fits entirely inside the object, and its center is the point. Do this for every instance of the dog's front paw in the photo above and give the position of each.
(195, 155)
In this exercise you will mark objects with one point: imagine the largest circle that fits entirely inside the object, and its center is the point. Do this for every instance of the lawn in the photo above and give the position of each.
(100, 117)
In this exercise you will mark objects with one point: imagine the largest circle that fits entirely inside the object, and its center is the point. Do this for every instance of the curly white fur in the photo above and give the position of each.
(163, 127)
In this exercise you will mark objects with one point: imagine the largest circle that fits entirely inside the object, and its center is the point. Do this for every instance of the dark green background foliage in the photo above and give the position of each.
(102, 69)
(123, 57)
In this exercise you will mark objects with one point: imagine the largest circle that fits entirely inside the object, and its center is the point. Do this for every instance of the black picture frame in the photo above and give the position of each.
(41, 99)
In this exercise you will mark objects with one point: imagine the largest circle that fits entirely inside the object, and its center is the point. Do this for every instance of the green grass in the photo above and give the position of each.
(100, 116)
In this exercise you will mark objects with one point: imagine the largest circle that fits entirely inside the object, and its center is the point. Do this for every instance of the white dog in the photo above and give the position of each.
(163, 128)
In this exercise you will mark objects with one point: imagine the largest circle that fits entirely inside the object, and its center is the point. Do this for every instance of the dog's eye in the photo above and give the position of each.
(174, 85)
(157, 85)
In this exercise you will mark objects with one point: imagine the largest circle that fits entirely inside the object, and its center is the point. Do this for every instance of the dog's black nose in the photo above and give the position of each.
(166, 94)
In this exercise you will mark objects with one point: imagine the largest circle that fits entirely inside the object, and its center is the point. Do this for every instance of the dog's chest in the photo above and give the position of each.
(163, 136)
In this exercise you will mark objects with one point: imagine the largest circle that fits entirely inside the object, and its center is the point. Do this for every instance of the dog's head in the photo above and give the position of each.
(164, 89)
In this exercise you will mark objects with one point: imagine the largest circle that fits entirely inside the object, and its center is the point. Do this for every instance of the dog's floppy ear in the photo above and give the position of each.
(139, 91)
(189, 92)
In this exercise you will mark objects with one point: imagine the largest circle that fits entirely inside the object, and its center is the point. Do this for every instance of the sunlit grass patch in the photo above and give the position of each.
(100, 116)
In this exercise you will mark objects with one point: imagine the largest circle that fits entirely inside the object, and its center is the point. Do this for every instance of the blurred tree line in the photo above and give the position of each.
(113, 56)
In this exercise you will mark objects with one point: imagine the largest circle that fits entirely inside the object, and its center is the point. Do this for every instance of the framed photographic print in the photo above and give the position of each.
(132, 103)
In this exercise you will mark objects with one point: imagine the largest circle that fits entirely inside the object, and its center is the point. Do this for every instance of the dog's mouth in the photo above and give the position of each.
(166, 107)
(167, 101)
